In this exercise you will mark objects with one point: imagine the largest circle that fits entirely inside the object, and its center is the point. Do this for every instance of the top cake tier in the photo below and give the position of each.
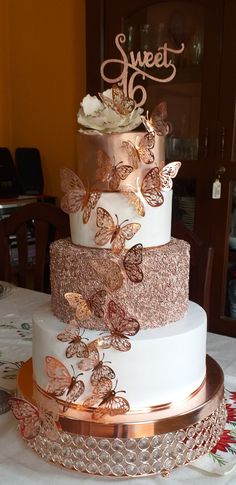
(133, 187)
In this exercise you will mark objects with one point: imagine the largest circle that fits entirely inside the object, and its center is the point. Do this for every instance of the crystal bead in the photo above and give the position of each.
(78, 453)
(117, 457)
(91, 442)
(130, 457)
(131, 470)
(144, 456)
(156, 441)
(117, 445)
(66, 452)
(157, 466)
(91, 455)
(92, 468)
(104, 444)
(145, 469)
(190, 432)
(168, 438)
(78, 441)
(156, 454)
(80, 466)
(169, 463)
(143, 443)
(118, 470)
(131, 444)
(66, 438)
(190, 443)
(104, 457)
(104, 469)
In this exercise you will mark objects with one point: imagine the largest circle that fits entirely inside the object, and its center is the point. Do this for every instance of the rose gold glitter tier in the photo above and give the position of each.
(161, 297)
(135, 444)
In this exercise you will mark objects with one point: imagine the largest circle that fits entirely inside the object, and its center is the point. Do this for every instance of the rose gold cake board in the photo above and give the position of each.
(146, 442)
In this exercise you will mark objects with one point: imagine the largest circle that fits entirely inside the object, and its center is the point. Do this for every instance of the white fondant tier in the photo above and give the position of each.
(112, 145)
(155, 226)
(164, 365)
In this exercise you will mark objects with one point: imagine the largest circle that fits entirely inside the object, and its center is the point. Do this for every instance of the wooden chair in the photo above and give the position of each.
(201, 261)
(31, 228)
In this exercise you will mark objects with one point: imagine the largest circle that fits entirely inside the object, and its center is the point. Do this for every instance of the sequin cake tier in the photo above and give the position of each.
(160, 298)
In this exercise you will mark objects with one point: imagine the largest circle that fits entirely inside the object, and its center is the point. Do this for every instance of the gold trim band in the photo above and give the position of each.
(150, 422)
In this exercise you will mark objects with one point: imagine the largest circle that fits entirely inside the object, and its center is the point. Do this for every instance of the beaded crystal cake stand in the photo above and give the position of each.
(135, 444)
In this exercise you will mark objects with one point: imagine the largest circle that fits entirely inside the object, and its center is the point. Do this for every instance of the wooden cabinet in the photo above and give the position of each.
(201, 108)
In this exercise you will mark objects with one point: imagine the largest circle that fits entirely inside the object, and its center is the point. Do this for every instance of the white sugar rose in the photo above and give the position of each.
(104, 118)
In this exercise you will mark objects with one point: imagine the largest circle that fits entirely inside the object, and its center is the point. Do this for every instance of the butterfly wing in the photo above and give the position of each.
(145, 147)
(75, 391)
(132, 152)
(101, 371)
(158, 119)
(113, 406)
(132, 260)
(122, 327)
(118, 173)
(150, 188)
(27, 416)
(104, 166)
(91, 202)
(123, 105)
(125, 233)
(49, 424)
(70, 181)
(59, 377)
(103, 387)
(92, 360)
(97, 302)
(77, 301)
(72, 201)
(134, 199)
(109, 273)
(167, 173)
(106, 227)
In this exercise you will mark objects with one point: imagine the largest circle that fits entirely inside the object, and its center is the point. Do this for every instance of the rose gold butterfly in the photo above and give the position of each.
(113, 233)
(112, 174)
(33, 420)
(157, 122)
(119, 102)
(77, 347)
(97, 365)
(135, 200)
(85, 307)
(141, 152)
(76, 196)
(156, 181)
(132, 260)
(106, 401)
(109, 273)
(121, 328)
(60, 380)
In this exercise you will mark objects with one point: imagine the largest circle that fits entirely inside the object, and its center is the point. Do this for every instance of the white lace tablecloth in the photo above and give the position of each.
(20, 466)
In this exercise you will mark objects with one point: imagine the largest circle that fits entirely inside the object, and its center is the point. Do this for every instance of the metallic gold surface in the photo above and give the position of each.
(148, 422)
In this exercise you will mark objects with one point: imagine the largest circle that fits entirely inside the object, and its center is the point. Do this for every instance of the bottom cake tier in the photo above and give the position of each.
(163, 365)
(132, 445)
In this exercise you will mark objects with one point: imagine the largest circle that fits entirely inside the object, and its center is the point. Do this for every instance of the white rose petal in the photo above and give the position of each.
(91, 104)
(95, 115)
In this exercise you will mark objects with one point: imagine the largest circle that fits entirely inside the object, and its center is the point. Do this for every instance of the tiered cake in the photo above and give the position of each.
(121, 386)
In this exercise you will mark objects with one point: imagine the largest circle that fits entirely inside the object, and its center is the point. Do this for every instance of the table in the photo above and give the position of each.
(18, 464)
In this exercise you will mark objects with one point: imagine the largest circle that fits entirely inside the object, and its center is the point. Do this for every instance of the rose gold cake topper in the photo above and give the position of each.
(139, 64)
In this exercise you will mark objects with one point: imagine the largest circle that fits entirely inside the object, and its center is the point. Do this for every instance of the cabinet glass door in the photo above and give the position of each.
(174, 24)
